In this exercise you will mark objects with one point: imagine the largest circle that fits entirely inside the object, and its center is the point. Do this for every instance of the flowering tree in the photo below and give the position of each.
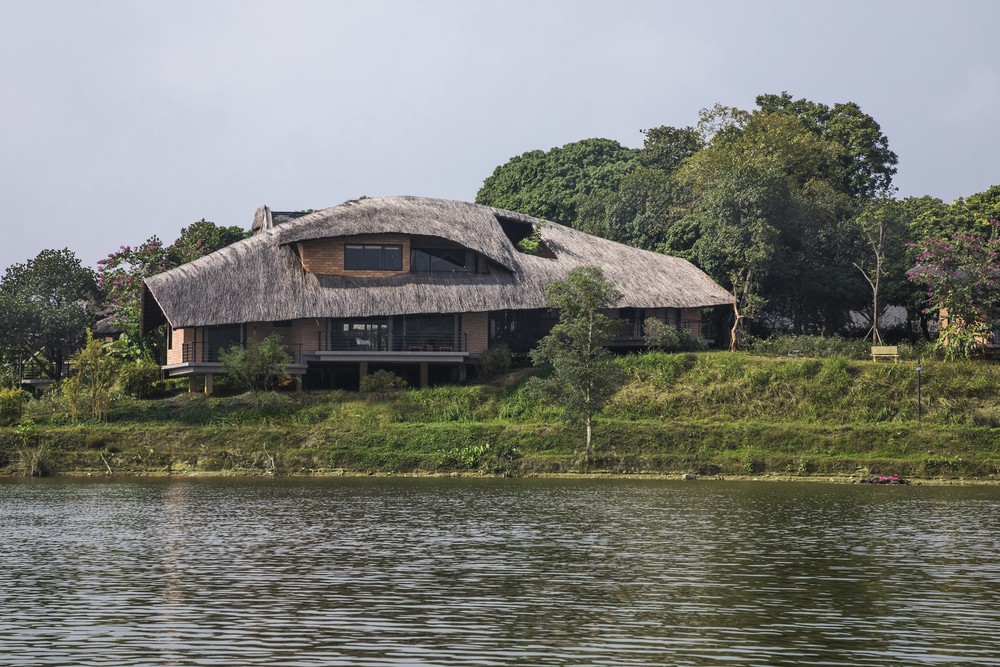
(962, 277)
(120, 277)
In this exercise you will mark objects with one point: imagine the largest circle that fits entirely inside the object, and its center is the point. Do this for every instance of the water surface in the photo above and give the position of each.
(496, 572)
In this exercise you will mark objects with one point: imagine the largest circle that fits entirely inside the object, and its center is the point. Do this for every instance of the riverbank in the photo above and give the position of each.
(704, 415)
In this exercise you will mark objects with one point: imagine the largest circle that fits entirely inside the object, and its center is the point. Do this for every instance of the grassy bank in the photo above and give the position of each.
(706, 414)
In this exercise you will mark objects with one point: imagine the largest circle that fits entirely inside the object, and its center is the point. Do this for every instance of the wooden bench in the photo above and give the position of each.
(885, 352)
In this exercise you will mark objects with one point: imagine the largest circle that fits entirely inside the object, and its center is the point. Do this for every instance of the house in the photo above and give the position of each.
(420, 286)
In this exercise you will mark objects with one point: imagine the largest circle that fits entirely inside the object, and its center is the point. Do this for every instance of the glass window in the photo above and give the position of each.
(370, 257)
(439, 260)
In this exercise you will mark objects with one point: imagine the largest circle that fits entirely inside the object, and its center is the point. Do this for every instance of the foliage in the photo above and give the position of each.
(495, 362)
(258, 367)
(11, 406)
(382, 383)
(961, 276)
(46, 305)
(122, 272)
(660, 335)
(867, 164)
(548, 184)
(139, 378)
(120, 277)
(202, 238)
(791, 345)
(584, 375)
(95, 376)
(532, 243)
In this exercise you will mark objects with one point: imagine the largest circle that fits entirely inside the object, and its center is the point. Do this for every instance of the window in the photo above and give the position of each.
(439, 260)
(370, 257)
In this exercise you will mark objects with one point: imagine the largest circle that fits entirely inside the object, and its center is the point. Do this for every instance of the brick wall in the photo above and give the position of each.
(475, 326)
(326, 256)
(175, 354)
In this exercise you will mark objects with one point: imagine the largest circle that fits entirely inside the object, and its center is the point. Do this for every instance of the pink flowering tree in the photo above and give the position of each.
(120, 276)
(962, 277)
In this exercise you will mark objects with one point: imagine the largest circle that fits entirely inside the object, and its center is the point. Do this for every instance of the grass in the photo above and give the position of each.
(704, 413)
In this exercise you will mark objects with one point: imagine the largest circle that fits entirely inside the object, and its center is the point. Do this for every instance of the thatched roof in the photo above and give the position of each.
(261, 279)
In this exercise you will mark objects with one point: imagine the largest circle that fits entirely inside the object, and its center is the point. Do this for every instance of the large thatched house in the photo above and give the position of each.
(422, 286)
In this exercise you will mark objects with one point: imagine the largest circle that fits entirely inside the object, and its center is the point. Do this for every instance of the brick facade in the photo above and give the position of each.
(326, 256)
(475, 326)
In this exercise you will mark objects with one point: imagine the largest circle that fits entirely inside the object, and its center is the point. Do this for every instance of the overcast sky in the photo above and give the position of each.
(124, 119)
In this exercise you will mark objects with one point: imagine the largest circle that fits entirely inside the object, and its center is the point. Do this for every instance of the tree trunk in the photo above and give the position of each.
(589, 437)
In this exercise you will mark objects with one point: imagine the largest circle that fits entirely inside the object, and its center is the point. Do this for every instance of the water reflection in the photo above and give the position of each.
(495, 572)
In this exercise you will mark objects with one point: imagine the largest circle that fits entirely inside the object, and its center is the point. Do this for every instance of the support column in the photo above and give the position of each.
(298, 383)
(208, 384)
(423, 375)
(462, 372)
(192, 384)
(362, 372)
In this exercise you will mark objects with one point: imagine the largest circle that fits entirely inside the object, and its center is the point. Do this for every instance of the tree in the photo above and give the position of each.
(584, 375)
(766, 204)
(95, 376)
(121, 273)
(549, 184)
(202, 238)
(258, 367)
(867, 164)
(884, 231)
(46, 305)
(666, 147)
(961, 276)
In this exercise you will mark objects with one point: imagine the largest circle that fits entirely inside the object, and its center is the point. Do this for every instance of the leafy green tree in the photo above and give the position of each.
(202, 238)
(96, 371)
(584, 374)
(665, 147)
(765, 199)
(549, 184)
(258, 367)
(867, 164)
(46, 305)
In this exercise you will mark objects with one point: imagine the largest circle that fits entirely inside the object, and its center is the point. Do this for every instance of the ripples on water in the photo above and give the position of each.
(496, 572)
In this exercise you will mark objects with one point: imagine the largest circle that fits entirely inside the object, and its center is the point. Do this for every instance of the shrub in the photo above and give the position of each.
(495, 362)
(257, 367)
(790, 345)
(11, 406)
(382, 383)
(139, 379)
(660, 335)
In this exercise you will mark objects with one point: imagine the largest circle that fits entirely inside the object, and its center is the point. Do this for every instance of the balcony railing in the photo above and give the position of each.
(395, 342)
(209, 353)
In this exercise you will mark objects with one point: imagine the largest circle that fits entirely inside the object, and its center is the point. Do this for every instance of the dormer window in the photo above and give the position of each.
(373, 257)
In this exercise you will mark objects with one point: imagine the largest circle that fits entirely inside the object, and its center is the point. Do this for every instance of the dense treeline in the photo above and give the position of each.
(790, 206)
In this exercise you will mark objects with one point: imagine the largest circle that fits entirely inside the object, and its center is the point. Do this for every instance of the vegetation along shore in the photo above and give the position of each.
(703, 414)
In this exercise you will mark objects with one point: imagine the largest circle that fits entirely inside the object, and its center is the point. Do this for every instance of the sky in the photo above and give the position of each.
(124, 119)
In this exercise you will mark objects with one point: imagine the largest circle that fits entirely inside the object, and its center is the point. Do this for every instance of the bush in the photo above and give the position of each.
(660, 335)
(11, 406)
(495, 362)
(790, 345)
(260, 366)
(381, 383)
(139, 379)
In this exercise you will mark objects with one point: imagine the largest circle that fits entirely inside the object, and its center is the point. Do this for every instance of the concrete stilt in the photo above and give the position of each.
(209, 389)
(362, 372)
(423, 375)
(192, 384)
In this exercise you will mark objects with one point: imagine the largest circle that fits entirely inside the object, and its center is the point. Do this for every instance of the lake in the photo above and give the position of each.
(400, 571)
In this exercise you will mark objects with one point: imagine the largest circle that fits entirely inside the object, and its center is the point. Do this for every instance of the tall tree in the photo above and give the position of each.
(867, 163)
(884, 233)
(549, 184)
(765, 197)
(584, 375)
(46, 305)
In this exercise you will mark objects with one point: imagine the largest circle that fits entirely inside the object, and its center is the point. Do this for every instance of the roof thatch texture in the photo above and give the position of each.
(261, 279)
